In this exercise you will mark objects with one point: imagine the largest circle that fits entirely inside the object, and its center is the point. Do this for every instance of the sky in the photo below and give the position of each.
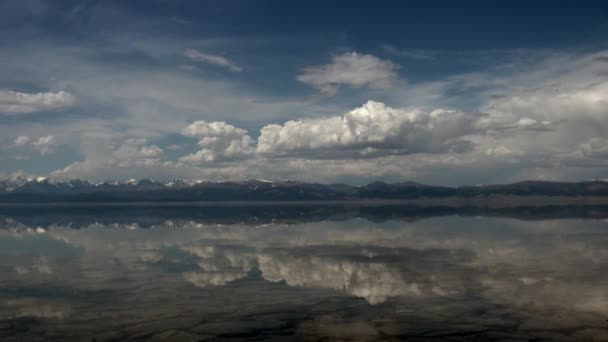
(449, 93)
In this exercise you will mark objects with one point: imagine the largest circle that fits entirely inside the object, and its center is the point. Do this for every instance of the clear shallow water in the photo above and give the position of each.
(303, 273)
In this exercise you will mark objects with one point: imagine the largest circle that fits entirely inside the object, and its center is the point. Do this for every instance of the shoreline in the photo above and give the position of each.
(506, 201)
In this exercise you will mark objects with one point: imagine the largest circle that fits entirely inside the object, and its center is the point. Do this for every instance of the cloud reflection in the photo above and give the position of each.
(525, 271)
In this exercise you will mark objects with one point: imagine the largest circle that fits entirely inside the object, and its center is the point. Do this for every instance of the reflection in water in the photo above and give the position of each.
(310, 273)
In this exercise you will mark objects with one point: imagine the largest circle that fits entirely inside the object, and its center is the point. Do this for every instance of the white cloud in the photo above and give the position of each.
(45, 144)
(12, 103)
(219, 141)
(520, 122)
(373, 129)
(352, 69)
(21, 140)
(132, 155)
(216, 60)
(136, 152)
(553, 103)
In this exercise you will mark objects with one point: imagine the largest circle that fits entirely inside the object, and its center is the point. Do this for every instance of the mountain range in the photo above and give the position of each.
(44, 190)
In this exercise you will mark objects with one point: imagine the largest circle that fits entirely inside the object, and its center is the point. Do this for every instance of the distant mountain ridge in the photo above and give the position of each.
(20, 189)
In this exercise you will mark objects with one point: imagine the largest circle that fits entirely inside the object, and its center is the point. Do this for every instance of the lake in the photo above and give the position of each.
(302, 272)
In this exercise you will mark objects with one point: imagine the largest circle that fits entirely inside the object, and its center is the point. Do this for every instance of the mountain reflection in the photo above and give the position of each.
(149, 215)
(336, 275)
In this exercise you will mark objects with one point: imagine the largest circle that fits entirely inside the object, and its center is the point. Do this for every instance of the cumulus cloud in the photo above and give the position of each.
(136, 151)
(352, 69)
(520, 122)
(12, 102)
(374, 129)
(223, 62)
(372, 141)
(219, 141)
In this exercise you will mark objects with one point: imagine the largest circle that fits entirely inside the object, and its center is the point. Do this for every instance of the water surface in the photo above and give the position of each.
(303, 273)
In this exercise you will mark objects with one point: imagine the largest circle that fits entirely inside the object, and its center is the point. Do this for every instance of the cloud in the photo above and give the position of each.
(373, 281)
(373, 129)
(136, 152)
(197, 56)
(352, 69)
(503, 124)
(218, 265)
(31, 307)
(591, 153)
(44, 144)
(13, 103)
(132, 155)
(21, 140)
(201, 279)
(553, 103)
(369, 142)
(595, 148)
(219, 141)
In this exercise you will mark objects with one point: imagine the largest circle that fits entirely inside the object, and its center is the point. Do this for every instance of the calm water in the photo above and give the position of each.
(303, 273)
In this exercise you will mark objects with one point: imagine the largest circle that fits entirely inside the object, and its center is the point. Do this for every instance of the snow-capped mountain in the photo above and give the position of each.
(42, 184)
(21, 189)
(14, 183)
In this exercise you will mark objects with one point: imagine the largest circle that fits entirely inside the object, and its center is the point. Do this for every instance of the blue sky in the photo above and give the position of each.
(442, 92)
